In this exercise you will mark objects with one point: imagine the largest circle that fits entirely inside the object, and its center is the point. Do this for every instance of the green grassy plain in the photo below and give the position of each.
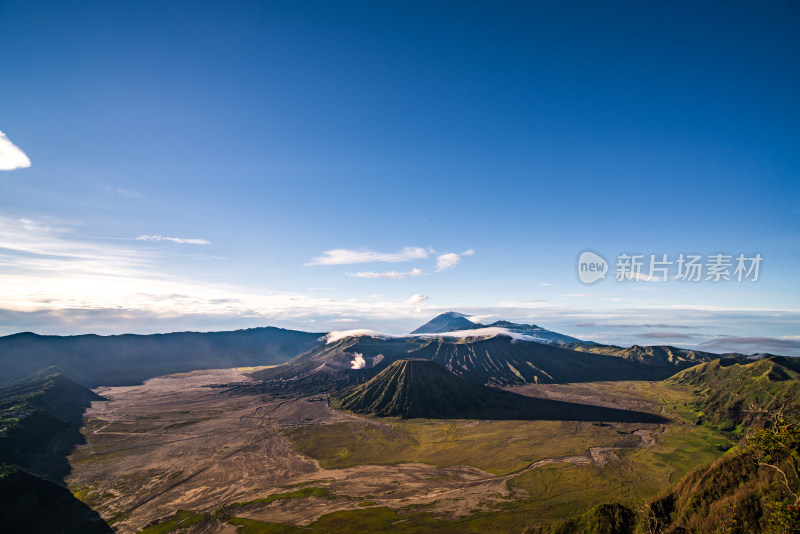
(499, 447)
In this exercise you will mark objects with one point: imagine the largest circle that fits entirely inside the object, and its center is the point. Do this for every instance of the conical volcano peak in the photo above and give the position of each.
(446, 322)
(415, 388)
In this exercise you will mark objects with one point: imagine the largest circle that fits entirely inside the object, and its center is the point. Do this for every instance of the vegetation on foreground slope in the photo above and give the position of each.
(753, 488)
(39, 420)
(735, 393)
(33, 412)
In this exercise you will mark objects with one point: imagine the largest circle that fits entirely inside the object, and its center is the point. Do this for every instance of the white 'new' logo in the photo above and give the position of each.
(591, 267)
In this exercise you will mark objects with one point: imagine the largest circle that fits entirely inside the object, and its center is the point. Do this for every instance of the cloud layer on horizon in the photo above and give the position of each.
(753, 344)
(56, 281)
(161, 311)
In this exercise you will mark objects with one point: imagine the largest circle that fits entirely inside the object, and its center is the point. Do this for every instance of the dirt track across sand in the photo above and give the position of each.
(174, 443)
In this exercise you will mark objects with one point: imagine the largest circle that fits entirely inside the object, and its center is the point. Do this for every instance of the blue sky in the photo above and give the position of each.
(254, 137)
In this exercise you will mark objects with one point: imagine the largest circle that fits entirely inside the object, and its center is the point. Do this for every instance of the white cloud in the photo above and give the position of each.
(480, 318)
(522, 304)
(341, 334)
(11, 157)
(341, 256)
(450, 260)
(487, 332)
(389, 274)
(447, 261)
(417, 300)
(158, 238)
(459, 334)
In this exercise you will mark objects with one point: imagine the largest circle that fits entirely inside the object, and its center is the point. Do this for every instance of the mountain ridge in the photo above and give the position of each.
(497, 360)
(127, 359)
(746, 393)
(418, 388)
(665, 355)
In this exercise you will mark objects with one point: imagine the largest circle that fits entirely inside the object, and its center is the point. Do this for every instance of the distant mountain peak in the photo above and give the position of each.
(446, 322)
(452, 321)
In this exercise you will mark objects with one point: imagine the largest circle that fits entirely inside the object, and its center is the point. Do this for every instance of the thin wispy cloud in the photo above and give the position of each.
(668, 335)
(341, 256)
(641, 277)
(450, 260)
(611, 326)
(418, 301)
(122, 192)
(11, 157)
(524, 304)
(51, 272)
(180, 240)
(388, 274)
(50, 246)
